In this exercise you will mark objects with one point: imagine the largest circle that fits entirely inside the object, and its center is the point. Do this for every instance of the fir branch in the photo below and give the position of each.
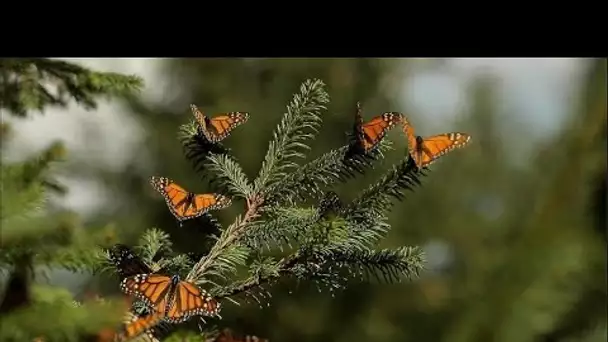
(364, 230)
(333, 166)
(213, 262)
(386, 264)
(152, 242)
(34, 83)
(177, 264)
(75, 259)
(365, 216)
(377, 198)
(24, 183)
(257, 279)
(323, 261)
(325, 264)
(197, 148)
(299, 124)
(230, 175)
(282, 225)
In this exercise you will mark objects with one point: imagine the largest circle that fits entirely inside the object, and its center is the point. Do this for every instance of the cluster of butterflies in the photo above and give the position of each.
(166, 299)
(186, 205)
(171, 300)
(423, 151)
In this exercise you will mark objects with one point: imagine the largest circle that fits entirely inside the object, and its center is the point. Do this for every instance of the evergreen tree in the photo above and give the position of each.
(34, 237)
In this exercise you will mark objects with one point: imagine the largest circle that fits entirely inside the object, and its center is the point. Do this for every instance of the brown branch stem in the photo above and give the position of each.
(232, 234)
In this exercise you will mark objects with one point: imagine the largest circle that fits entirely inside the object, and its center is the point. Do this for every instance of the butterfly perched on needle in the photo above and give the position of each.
(177, 300)
(218, 128)
(186, 205)
(424, 151)
(370, 134)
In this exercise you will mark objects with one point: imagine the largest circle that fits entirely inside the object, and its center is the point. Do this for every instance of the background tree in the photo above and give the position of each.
(34, 237)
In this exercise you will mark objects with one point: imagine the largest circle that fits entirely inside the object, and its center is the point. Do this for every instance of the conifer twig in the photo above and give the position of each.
(283, 266)
(230, 236)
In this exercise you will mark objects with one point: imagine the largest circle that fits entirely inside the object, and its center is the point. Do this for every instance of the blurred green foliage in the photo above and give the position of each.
(33, 236)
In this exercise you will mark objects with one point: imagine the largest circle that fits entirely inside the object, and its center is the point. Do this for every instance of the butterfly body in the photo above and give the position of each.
(218, 128)
(185, 205)
(425, 151)
(177, 300)
(371, 133)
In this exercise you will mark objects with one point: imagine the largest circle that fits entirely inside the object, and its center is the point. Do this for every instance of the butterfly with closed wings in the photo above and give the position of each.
(370, 134)
(186, 205)
(425, 151)
(177, 300)
(126, 262)
(218, 128)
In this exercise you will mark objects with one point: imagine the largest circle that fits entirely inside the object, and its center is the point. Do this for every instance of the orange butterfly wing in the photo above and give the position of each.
(219, 127)
(206, 202)
(136, 326)
(185, 205)
(152, 289)
(373, 131)
(189, 300)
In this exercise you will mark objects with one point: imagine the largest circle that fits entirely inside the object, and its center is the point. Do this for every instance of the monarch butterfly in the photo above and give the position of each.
(424, 151)
(219, 127)
(176, 300)
(185, 205)
(370, 134)
(126, 262)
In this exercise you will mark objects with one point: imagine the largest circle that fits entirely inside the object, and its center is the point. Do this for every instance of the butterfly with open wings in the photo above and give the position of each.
(175, 299)
(218, 128)
(186, 205)
(425, 151)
